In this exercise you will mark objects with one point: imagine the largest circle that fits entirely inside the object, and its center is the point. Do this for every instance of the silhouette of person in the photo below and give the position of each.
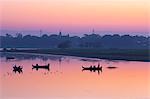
(98, 65)
(91, 66)
(94, 67)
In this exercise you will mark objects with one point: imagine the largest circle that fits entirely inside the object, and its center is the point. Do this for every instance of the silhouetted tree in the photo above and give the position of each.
(65, 44)
(65, 41)
(19, 35)
(8, 36)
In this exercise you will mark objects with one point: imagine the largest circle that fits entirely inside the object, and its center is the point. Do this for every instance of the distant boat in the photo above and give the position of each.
(111, 67)
(10, 57)
(40, 67)
(84, 59)
(17, 69)
(93, 68)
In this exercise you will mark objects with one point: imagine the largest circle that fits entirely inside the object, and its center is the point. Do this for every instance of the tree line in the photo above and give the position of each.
(65, 41)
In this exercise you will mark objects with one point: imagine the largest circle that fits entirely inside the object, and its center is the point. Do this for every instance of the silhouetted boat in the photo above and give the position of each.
(10, 57)
(84, 59)
(111, 67)
(93, 68)
(17, 69)
(40, 67)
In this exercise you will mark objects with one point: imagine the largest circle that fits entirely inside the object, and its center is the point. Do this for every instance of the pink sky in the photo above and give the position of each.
(75, 16)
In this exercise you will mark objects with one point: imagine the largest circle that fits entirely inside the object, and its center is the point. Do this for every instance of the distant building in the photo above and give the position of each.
(60, 34)
(67, 35)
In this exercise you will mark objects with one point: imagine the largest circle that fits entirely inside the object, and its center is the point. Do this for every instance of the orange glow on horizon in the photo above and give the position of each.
(111, 15)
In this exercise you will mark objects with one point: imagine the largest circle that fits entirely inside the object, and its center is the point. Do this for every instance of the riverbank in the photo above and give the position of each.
(110, 54)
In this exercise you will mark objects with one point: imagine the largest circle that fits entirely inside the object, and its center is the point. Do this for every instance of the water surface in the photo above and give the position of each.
(66, 80)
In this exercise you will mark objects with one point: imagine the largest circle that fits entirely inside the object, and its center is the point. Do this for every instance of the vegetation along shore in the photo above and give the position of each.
(110, 54)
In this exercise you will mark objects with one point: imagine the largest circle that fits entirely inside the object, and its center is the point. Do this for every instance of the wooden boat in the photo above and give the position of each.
(93, 68)
(40, 67)
(17, 69)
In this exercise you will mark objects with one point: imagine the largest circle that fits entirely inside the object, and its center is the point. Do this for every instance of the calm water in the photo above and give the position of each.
(66, 80)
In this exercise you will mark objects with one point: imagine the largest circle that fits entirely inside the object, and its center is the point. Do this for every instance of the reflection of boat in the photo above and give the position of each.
(17, 69)
(10, 57)
(93, 68)
(40, 67)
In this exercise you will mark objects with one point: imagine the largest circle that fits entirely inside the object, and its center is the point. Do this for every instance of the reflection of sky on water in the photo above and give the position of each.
(29, 56)
(66, 80)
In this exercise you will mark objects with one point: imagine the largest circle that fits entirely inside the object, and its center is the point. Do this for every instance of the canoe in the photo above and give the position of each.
(40, 67)
(92, 68)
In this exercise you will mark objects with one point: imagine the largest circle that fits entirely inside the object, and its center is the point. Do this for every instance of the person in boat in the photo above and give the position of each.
(98, 66)
(94, 67)
(15, 66)
(91, 66)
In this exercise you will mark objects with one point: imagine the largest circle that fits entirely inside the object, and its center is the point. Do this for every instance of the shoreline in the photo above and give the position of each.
(108, 54)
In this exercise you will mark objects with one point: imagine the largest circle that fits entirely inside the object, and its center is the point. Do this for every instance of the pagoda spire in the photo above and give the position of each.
(60, 33)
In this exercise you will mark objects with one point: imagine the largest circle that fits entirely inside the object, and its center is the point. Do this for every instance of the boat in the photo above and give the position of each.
(93, 68)
(17, 69)
(111, 67)
(40, 67)
(10, 57)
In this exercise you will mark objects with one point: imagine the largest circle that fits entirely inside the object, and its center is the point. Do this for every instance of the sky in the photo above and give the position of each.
(76, 16)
